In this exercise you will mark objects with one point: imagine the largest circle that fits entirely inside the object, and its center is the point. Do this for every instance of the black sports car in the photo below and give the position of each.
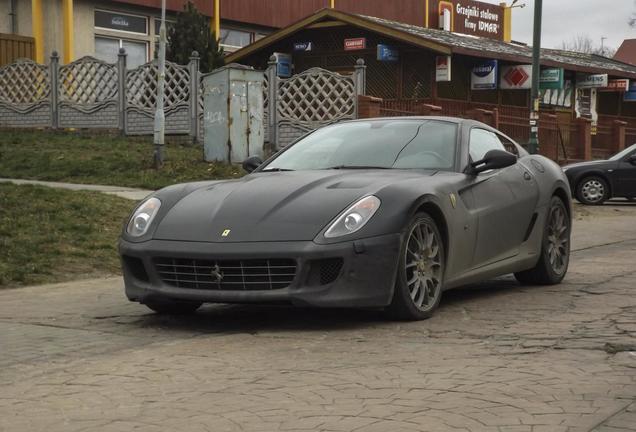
(597, 181)
(370, 213)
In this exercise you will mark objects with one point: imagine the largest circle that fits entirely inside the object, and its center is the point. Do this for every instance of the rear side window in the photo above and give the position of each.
(481, 142)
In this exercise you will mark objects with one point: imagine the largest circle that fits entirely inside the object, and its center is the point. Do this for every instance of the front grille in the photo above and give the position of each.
(250, 274)
(329, 270)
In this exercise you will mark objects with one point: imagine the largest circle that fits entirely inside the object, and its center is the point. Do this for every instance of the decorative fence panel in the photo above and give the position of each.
(141, 98)
(309, 100)
(88, 94)
(25, 95)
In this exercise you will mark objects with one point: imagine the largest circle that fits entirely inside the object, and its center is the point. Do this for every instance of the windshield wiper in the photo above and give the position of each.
(357, 167)
(276, 169)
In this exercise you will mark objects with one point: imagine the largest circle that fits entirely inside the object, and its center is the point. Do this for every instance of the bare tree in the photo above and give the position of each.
(632, 17)
(583, 43)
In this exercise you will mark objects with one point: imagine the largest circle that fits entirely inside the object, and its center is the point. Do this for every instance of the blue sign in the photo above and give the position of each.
(283, 65)
(303, 46)
(387, 53)
(630, 95)
(484, 76)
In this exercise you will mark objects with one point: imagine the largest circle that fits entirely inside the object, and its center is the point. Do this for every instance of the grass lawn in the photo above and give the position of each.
(51, 235)
(75, 158)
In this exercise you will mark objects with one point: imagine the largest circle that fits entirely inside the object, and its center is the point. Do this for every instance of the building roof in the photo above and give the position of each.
(627, 52)
(446, 42)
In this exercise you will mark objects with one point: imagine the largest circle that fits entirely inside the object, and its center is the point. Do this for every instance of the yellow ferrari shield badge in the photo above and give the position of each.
(225, 233)
(453, 200)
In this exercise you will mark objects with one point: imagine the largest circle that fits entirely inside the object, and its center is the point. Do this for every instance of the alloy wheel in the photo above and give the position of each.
(593, 190)
(423, 266)
(558, 239)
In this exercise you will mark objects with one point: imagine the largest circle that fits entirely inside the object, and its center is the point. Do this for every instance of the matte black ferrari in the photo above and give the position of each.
(595, 182)
(382, 213)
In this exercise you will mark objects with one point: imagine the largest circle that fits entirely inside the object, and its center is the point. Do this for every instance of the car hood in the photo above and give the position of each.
(588, 164)
(276, 206)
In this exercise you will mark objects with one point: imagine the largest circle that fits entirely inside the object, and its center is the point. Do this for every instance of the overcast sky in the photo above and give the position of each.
(563, 19)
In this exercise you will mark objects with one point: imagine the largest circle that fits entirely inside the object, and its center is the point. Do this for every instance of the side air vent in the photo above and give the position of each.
(533, 221)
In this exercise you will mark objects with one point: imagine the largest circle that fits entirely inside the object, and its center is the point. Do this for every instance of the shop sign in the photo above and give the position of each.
(516, 77)
(387, 53)
(471, 17)
(551, 78)
(283, 65)
(484, 76)
(303, 46)
(591, 81)
(616, 85)
(355, 44)
(630, 94)
(442, 68)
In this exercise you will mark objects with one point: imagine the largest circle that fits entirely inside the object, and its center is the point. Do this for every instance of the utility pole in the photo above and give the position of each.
(160, 117)
(533, 143)
(603, 45)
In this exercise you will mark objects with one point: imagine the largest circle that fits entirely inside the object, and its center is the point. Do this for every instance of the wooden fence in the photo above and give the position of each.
(13, 47)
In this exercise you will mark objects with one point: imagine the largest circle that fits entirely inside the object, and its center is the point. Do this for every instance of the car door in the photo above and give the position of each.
(504, 202)
(624, 176)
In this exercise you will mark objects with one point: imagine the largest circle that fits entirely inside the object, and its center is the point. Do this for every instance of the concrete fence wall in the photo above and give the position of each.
(92, 94)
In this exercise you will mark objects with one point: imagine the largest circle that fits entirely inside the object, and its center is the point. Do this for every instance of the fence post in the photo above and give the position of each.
(54, 72)
(618, 135)
(121, 77)
(585, 138)
(194, 95)
(272, 89)
(360, 81)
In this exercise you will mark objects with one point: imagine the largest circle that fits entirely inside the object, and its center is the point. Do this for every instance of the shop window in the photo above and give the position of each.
(459, 87)
(515, 97)
(608, 102)
(121, 22)
(484, 96)
(107, 49)
(234, 39)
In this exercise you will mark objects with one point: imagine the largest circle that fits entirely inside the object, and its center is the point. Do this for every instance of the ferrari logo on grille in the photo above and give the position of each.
(225, 233)
(216, 273)
(453, 200)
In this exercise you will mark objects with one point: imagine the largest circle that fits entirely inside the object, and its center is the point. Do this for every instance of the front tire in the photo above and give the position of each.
(419, 283)
(555, 248)
(592, 191)
(172, 307)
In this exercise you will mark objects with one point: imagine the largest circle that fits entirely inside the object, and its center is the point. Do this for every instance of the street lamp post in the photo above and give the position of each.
(533, 143)
(160, 117)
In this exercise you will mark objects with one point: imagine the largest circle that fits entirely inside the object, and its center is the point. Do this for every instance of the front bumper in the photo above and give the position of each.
(366, 278)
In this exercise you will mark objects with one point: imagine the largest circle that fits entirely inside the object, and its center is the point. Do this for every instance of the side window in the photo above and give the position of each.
(481, 142)
(508, 145)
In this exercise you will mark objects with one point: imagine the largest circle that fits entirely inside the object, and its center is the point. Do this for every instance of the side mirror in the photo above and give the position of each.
(251, 163)
(494, 159)
(632, 159)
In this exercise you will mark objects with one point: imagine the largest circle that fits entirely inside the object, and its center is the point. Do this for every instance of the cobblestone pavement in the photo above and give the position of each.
(496, 357)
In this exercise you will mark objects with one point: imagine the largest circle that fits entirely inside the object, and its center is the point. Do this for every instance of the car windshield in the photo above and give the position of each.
(400, 143)
(621, 154)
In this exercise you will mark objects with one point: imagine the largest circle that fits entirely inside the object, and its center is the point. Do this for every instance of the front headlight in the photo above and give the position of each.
(143, 216)
(354, 218)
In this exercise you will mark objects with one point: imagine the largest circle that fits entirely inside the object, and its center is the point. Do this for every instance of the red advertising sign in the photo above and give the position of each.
(355, 44)
(617, 85)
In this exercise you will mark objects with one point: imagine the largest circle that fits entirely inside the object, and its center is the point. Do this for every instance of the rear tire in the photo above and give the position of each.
(592, 191)
(555, 248)
(172, 307)
(419, 284)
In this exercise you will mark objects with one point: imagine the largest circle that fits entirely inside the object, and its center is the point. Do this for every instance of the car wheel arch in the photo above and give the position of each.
(560, 192)
(429, 205)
